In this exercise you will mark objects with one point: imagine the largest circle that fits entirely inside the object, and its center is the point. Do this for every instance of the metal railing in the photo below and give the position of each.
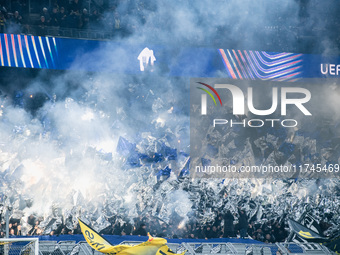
(195, 248)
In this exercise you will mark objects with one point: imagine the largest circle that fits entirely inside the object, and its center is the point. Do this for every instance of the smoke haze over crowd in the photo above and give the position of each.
(60, 130)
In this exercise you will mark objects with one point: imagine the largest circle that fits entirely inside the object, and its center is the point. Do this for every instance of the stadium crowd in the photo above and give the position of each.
(225, 225)
(75, 14)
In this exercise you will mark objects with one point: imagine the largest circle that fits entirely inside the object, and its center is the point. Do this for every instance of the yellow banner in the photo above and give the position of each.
(154, 246)
(97, 242)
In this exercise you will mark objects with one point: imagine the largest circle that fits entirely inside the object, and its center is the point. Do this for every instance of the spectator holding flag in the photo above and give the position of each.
(242, 223)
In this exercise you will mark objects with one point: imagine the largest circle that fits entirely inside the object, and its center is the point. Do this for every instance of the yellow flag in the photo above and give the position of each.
(154, 246)
(97, 242)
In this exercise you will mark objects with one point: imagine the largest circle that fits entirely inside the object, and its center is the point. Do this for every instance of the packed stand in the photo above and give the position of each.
(15, 21)
(225, 225)
(63, 14)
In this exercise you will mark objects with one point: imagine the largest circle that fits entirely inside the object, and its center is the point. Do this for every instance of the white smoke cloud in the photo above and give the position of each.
(57, 156)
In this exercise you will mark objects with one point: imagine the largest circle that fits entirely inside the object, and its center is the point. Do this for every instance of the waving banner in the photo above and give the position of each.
(305, 232)
(154, 246)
